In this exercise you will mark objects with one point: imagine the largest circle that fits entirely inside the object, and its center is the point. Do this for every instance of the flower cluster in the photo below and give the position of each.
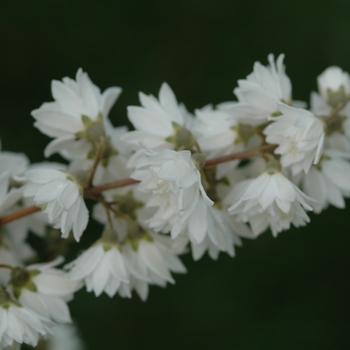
(179, 182)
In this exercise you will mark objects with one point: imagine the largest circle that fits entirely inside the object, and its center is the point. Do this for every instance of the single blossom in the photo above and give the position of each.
(19, 323)
(77, 117)
(149, 258)
(176, 189)
(217, 133)
(259, 94)
(334, 86)
(329, 182)
(101, 267)
(270, 200)
(65, 337)
(44, 289)
(159, 124)
(300, 138)
(59, 194)
(13, 249)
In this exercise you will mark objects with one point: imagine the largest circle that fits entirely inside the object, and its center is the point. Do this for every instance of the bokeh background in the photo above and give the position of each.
(286, 293)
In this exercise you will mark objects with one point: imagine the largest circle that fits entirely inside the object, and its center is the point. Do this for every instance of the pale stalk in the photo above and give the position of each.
(93, 191)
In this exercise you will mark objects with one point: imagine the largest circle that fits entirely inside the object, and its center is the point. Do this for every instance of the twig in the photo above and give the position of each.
(109, 186)
(19, 214)
(239, 155)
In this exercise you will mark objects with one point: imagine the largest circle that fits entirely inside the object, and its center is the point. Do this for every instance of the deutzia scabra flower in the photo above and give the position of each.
(159, 124)
(64, 337)
(13, 249)
(270, 200)
(259, 94)
(176, 190)
(217, 134)
(222, 234)
(44, 289)
(150, 258)
(76, 118)
(334, 86)
(60, 195)
(329, 182)
(300, 138)
(101, 267)
(19, 323)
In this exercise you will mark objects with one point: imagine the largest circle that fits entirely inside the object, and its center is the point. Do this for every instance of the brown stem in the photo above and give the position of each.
(240, 155)
(18, 214)
(109, 186)
(4, 266)
(93, 192)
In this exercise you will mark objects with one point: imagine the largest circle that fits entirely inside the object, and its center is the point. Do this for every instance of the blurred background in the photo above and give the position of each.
(286, 293)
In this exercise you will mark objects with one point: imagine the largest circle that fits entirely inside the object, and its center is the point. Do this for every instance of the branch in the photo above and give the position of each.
(240, 155)
(98, 189)
(93, 191)
(18, 214)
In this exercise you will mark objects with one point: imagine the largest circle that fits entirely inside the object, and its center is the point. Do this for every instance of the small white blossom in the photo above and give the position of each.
(329, 182)
(222, 234)
(64, 337)
(334, 86)
(217, 135)
(149, 259)
(155, 122)
(101, 268)
(44, 289)
(259, 94)
(300, 138)
(13, 249)
(270, 200)
(19, 323)
(176, 189)
(76, 117)
(60, 195)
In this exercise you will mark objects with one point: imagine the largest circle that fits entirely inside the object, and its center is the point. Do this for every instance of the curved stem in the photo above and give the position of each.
(4, 266)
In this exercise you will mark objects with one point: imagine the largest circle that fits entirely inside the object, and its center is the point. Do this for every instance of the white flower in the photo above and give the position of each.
(222, 234)
(329, 182)
(259, 95)
(149, 259)
(64, 337)
(60, 195)
(44, 289)
(270, 200)
(15, 163)
(13, 249)
(334, 86)
(155, 123)
(175, 184)
(300, 137)
(79, 111)
(101, 268)
(19, 323)
(217, 134)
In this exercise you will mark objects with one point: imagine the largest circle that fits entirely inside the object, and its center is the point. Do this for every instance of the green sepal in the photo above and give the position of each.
(86, 120)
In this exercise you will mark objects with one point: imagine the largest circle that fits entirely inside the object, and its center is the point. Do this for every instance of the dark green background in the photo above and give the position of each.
(286, 293)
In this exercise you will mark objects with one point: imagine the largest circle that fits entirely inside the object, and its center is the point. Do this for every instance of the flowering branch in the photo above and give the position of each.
(93, 191)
